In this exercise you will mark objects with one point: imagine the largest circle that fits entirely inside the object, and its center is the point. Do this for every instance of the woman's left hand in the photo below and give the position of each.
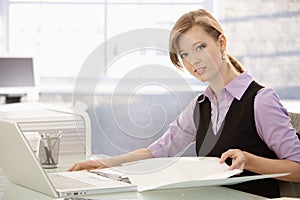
(239, 158)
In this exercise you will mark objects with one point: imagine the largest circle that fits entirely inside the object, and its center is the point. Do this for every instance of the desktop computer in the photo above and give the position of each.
(17, 78)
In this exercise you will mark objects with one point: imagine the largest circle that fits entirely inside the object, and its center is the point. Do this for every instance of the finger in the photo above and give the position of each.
(225, 155)
(87, 165)
(71, 168)
(238, 161)
(80, 166)
(237, 165)
(75, 167)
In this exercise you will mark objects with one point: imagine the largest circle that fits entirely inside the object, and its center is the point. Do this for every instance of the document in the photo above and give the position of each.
(178, 172)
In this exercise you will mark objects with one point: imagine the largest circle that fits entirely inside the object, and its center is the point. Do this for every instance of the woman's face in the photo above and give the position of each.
(200, 53)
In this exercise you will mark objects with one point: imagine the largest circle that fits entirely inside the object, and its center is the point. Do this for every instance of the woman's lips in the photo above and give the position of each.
(200, 69)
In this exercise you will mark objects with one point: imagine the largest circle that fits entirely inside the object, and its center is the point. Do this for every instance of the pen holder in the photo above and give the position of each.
(49, 150)
(33, 138)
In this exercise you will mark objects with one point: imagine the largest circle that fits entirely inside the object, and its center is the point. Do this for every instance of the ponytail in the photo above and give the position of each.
(237, 65)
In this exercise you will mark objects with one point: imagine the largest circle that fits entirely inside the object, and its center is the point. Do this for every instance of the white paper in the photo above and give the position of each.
(156, 173)
(180, 172)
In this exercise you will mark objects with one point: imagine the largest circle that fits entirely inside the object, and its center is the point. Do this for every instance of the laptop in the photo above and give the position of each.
(22, 167)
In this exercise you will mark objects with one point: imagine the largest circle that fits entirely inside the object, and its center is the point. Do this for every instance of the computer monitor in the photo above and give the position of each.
(17, 77)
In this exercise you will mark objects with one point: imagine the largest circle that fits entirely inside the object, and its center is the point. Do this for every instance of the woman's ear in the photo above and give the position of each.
(222, 42)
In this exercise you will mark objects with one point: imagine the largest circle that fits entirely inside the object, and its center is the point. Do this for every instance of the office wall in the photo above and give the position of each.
(129, 126)
(263, 34)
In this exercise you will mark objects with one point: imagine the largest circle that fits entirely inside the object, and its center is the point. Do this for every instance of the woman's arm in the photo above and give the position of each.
(244, 160)
(274, 126)
(180, 134)
(139, 154)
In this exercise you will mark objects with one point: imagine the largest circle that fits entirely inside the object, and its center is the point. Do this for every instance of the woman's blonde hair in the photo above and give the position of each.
(207, 22)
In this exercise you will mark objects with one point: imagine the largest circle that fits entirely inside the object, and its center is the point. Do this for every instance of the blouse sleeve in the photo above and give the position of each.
(180, 134)
(274, 126)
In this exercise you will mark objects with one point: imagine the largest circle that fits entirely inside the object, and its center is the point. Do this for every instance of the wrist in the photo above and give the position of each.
(248, 160)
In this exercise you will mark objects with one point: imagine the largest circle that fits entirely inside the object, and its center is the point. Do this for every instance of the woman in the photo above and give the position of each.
(235, 119)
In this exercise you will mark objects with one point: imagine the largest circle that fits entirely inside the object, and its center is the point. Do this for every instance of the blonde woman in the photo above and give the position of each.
(235, 119)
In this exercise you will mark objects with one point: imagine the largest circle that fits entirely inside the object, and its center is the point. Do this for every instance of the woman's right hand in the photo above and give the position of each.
(138, 154)
(88, 165)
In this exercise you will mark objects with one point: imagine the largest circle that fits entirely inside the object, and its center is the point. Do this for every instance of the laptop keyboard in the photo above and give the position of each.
(62, 182)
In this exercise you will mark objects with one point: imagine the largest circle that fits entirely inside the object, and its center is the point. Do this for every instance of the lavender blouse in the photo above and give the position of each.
(271, 119)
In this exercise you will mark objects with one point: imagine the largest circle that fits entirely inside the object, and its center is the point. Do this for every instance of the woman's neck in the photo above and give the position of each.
(222, 79)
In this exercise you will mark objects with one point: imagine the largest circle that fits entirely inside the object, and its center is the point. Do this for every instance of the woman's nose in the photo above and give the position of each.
(194, 59)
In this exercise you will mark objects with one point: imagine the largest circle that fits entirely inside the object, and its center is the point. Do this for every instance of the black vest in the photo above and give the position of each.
(238, 131)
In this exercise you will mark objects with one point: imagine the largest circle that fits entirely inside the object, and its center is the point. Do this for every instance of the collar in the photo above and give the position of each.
(236, 87)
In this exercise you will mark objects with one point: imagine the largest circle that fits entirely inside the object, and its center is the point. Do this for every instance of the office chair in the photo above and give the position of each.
(291, 189)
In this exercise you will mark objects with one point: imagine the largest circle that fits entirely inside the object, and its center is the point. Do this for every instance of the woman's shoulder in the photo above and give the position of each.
(266, 99)
(267, 94)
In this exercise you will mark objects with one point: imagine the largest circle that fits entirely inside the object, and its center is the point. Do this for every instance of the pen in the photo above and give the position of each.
(48, 147)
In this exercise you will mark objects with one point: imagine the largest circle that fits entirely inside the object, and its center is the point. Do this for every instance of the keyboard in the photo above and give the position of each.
(62, 182)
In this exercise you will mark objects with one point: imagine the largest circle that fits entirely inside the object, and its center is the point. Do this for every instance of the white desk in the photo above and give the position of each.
(14, 192)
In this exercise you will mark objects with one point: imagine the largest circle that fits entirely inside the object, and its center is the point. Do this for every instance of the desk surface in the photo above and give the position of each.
(12, 191)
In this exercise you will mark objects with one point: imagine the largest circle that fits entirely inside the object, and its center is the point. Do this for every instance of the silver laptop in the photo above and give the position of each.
(22, 167)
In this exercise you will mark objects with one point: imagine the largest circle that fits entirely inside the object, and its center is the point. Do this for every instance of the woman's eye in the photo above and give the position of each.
(200, 47)
(183, 55)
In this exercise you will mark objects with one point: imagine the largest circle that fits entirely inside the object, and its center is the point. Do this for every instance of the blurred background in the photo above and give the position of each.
(61, 34)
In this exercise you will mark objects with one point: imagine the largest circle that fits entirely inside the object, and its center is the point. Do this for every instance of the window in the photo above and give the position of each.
(60, 35)
(139, 16)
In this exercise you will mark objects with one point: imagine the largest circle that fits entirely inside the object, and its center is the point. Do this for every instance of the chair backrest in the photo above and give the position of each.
(295, 120)
(291, 189)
